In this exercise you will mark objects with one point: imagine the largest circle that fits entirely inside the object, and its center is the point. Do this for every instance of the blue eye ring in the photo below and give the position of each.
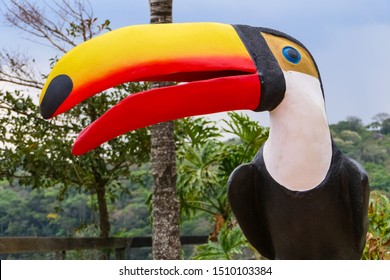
(292, 55)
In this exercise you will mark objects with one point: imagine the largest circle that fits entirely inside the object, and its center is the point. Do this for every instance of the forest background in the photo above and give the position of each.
(45, 191)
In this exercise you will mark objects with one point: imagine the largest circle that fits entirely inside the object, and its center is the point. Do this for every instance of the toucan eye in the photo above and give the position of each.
(292, 55)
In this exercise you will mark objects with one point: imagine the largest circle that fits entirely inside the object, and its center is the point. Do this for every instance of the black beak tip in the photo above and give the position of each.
(45, 112)
(56, 93)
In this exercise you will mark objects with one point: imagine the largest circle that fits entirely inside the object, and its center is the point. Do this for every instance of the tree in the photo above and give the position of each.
(381, 117)
(378, 236)
(355, 123)
(37, 152)
(230, 246)
(383, 121)
(205, 163)
(166, 231)
(386, 126)
(24, 211)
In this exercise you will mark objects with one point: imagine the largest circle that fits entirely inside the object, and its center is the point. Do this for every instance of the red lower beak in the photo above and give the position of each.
(169, 103)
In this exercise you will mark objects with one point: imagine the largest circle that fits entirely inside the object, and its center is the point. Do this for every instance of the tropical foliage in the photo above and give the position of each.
(206, 154)
(45, 191)
(204, 167)
(230, 246)
(378, 237)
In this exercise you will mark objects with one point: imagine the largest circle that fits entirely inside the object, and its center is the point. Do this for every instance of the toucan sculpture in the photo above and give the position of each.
(300, 198)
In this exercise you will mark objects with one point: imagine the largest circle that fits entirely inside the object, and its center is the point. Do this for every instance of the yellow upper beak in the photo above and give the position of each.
(170, 52)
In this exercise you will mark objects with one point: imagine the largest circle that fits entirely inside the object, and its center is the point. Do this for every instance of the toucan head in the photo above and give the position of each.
(224, 67)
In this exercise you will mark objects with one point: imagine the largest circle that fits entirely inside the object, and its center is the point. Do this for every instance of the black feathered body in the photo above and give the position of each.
(327, 222)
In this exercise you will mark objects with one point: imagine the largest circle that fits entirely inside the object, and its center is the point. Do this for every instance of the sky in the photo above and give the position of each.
(349, 39)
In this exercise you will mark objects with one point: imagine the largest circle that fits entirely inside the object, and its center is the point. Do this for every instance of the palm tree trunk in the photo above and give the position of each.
(166, 232)
(160, 11)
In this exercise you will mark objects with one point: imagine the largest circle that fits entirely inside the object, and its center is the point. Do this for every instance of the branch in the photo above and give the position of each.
(18, 69)
(63, 27)
(33, 20)
(71, 21)
(193, 206)
(17, 81)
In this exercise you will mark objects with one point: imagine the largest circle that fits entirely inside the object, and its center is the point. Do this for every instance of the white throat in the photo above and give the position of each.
(298, 151)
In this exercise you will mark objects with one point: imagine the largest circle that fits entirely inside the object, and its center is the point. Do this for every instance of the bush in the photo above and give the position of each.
(378, 236)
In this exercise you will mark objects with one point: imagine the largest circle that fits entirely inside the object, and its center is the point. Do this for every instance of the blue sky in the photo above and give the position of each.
(350, 40)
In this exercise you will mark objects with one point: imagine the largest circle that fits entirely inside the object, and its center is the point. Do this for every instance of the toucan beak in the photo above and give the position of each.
(211, 57)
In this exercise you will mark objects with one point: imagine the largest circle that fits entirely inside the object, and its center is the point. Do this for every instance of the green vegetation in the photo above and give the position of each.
(45, 191)
(378, 238)
(205, 160)
(230, 246)
(370, 145)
